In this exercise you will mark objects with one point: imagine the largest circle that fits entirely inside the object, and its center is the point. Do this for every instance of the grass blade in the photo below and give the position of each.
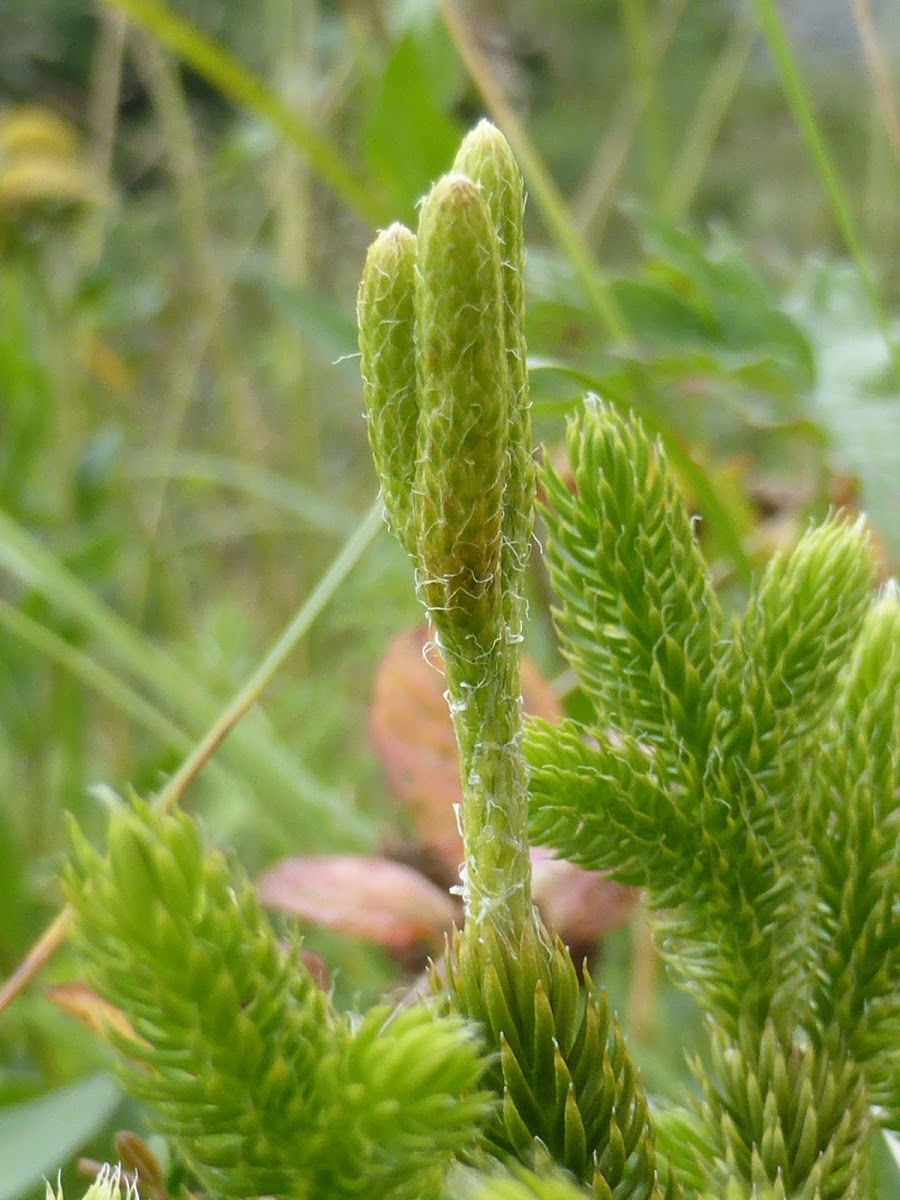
(218, 471)
(220, 68)
(798, 99)
(547, 197)
(306, 808)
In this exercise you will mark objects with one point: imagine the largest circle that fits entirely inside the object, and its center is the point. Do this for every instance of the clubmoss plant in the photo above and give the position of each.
(443, 364)
(464, 469)
(262, 1086)
(742, 769)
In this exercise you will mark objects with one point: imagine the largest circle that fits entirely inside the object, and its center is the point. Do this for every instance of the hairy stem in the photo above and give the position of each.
(487, 716)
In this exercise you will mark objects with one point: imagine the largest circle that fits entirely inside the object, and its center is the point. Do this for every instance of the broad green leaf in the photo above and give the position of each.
(658, 312)
(733, 306)
(409, 141)
(855, 398)
(444, 73)
(39, 1136)
(709, 339)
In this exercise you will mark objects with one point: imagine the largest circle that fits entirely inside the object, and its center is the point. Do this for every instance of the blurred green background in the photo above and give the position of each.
(186, 195)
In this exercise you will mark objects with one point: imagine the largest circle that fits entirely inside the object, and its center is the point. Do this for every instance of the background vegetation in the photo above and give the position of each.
(186, 194)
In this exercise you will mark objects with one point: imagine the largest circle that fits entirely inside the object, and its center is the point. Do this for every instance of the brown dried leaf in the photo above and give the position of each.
(372, 898)
(581, 905)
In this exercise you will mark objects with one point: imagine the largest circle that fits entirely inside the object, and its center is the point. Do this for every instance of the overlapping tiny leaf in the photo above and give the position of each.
(569, 1088)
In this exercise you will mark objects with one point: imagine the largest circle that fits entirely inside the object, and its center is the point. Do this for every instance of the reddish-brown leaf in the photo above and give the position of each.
(580, 905)
(372, 898)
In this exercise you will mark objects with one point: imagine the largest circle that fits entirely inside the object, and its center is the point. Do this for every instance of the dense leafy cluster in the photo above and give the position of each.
(743, 772)
(570, 1092)
(242, 1060)
(446, 390)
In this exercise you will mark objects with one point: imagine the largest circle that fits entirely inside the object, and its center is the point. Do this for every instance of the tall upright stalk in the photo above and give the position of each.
(443, 361)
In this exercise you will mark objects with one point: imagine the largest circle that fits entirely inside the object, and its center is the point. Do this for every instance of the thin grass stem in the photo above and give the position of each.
(297, 628)
(597, 194)
(214, 470)
(102, 120)
(798, 98)
(542, 187)
(292, 635)
(873, 48)
(640, 40)
(224, 72)
(213, 289)
(291, 30)
(284, 785)
(715, 100)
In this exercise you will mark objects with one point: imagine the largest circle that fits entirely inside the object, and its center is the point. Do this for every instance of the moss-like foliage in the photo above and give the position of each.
(240, 1057)
(570, 1091)
(742, 770)
(744, 773)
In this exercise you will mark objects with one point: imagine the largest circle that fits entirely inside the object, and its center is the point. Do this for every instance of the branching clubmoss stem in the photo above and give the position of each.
(446, 393)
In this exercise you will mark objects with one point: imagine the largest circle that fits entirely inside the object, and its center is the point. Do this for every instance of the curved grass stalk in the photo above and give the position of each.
(880, 71)
(285, 786)
(715, 100)
(293, 633)
(54, 936)
(597, 194)
(216, 470)
(638, 30)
